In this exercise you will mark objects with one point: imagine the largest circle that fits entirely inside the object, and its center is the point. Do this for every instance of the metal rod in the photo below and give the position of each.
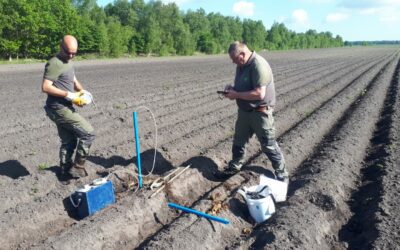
(136, 129)
(168, 181)
(189, 210)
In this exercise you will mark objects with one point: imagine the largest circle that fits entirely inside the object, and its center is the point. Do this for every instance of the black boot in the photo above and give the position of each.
(65, 168)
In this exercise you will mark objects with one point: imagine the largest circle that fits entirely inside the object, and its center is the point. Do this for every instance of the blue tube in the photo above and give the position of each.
(188, 210)
(136, 129)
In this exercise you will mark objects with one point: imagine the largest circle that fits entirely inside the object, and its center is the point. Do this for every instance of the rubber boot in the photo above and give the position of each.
(281, 172)
(78, 168)
(65, 168)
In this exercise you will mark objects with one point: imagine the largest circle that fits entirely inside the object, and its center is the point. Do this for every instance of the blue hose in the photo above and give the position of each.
(188, 210)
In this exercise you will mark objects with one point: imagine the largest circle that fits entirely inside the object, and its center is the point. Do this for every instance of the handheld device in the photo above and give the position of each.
(222, 92)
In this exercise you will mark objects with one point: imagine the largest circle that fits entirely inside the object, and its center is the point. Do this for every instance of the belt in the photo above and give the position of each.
(261, 109)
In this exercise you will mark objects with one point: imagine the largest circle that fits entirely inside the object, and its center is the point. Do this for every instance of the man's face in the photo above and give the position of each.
(68, 53)
(238, 59)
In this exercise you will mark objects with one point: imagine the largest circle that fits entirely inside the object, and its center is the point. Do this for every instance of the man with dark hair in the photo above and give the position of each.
(64, 90)
(254, 92)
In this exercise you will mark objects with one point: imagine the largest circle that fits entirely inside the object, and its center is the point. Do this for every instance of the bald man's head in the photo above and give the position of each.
(69, 47)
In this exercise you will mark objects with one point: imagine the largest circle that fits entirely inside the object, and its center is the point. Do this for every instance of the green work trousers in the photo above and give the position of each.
(74, 131)
(262, 124)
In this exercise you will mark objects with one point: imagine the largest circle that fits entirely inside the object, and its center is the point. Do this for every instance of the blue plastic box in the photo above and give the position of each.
(94, 199)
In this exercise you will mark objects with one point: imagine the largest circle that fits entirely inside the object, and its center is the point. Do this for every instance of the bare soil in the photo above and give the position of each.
(338, 122)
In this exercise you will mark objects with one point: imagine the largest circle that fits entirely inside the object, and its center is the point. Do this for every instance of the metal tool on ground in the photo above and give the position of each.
(162, 181)
(196, 212)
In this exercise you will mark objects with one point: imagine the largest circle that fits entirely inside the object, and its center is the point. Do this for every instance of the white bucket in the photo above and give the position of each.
(278, 188)
(260, 209)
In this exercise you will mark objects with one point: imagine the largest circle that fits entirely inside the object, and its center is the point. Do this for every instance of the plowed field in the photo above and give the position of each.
(338, 124)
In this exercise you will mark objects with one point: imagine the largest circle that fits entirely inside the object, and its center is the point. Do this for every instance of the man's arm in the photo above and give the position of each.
(77, 85)
(252, 95)
(47, 87)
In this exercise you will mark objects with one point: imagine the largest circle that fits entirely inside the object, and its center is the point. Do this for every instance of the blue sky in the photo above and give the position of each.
(351, 19)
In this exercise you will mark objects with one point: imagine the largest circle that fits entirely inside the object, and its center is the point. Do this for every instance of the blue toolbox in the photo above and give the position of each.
(92, 198)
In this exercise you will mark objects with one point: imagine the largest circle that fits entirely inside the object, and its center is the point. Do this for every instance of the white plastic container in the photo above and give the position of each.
(260, 209)
(278, 188)
(87, 97)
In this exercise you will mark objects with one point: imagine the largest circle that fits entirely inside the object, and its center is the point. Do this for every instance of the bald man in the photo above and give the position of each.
(254, 93)
(64, 90)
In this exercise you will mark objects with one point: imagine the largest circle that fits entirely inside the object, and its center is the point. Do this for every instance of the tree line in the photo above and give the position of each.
(33, 29)
(368, 43)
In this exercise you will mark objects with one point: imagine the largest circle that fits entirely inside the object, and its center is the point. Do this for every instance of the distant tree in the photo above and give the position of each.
(118, 37)
(276, 36)
(235, 28)
(84, 7)
(150, 34)
(254, 34)
(103, 40)
(219, 29)
(123, 10)
(207, 44)
(35, 28)
(198, 25)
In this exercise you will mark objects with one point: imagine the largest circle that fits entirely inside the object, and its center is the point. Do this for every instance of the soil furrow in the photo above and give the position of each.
(171, 237)
(315, 88)
(176, 148)
(320, 211)
(371, 200)
(206, 235)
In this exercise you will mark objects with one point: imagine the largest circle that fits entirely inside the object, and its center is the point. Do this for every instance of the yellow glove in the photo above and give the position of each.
(76, 99)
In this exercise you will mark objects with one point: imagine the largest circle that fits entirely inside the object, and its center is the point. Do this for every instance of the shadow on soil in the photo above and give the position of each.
(13, 169)
(162, 165)
(259, 170)
(57, 171)
(206, 166)
(71, 210)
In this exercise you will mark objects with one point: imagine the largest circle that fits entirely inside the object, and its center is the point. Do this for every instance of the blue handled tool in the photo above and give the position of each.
(189, 210)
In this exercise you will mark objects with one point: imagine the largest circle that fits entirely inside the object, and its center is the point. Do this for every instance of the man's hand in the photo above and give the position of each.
(229, 92)
(75, 98)
(228, 87)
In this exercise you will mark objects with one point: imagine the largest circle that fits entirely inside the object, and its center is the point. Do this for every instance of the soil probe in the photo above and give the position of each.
(164, 180)
(189, 210)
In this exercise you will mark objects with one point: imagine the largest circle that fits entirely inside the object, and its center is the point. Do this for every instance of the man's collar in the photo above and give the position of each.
(251, 59)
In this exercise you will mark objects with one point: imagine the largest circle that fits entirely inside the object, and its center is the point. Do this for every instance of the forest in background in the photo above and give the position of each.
(33, 29)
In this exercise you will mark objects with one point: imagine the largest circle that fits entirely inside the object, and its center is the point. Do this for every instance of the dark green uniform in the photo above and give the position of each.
(256, 73)
(75, 132)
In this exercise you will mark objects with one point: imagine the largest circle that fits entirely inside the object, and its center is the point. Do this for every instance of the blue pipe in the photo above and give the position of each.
(136, 129)
(188, 210)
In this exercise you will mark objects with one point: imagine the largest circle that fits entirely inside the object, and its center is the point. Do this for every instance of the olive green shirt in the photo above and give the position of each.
(255, 73)
(62, 74)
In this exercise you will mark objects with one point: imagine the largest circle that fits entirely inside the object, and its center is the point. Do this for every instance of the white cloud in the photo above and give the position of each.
(243, 8)
(336, 17)
(387, 11)
(367, 4)
(390, 16)
(300, 17)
